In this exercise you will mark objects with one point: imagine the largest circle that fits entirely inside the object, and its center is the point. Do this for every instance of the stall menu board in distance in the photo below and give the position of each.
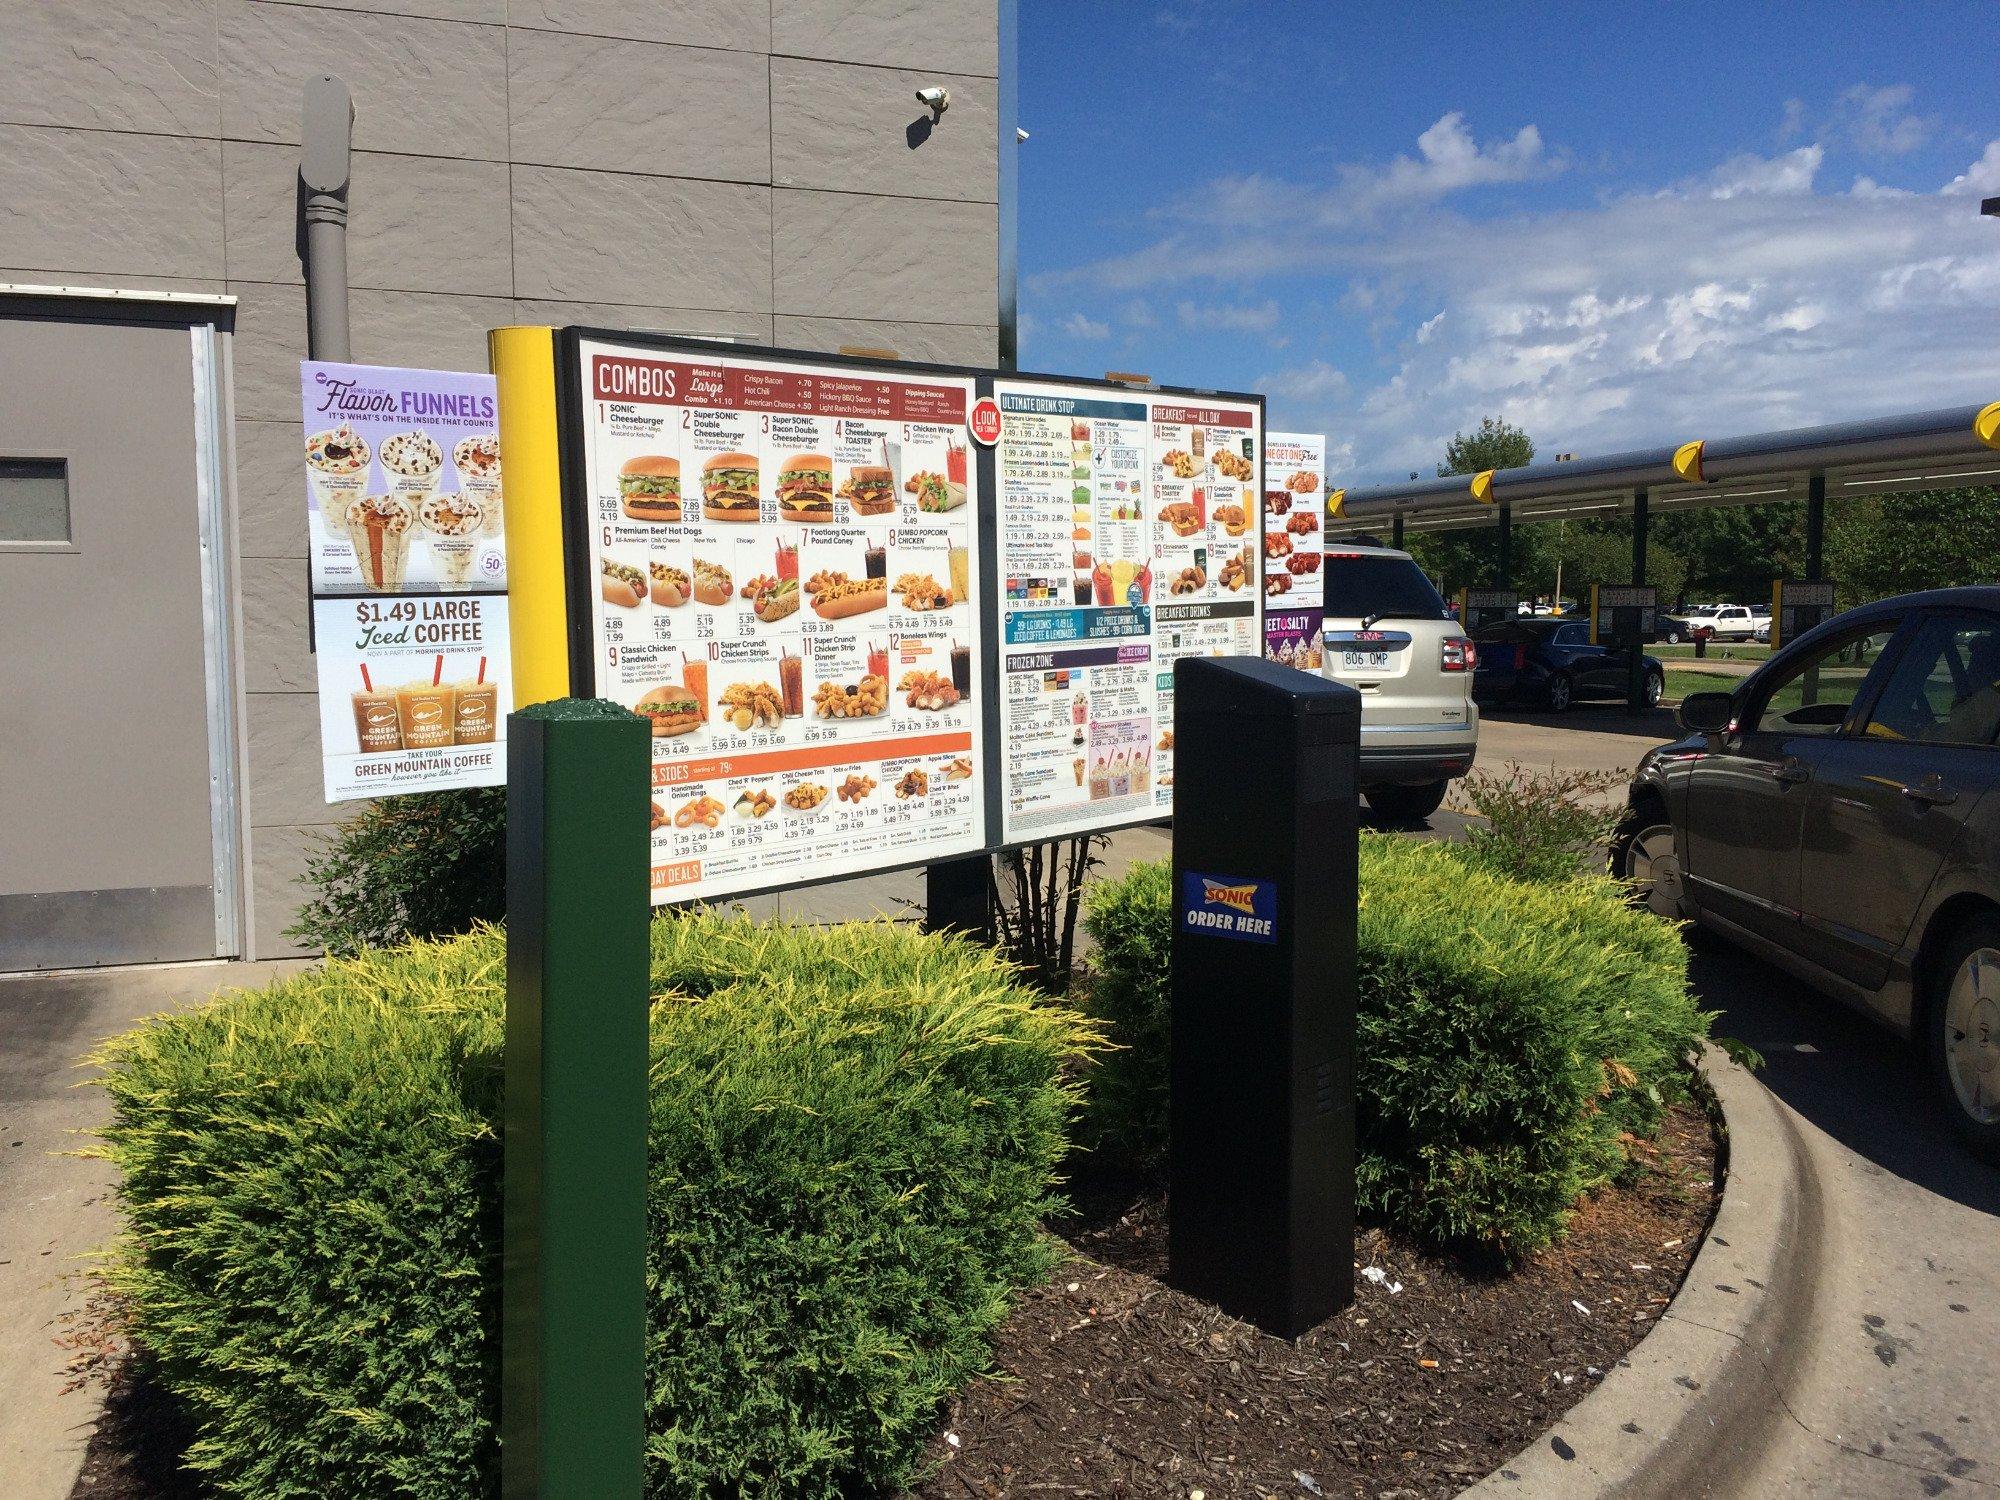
(784, 581)
(1128, 538)
(1294, 543)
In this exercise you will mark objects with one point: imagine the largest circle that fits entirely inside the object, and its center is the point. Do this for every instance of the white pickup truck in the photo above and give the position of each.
(1730, 622)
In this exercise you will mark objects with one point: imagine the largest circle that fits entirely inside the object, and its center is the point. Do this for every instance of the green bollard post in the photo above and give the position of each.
(573, 1295)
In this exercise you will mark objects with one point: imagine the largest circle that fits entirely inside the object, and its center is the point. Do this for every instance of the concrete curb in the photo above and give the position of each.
(1689, 1410)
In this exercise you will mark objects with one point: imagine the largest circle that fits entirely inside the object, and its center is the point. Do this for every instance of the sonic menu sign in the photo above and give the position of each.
(1129, 535)
(783, 580)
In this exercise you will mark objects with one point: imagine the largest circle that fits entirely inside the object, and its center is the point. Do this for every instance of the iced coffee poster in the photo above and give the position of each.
(412, 693)
(1129, 538)
(783, 582)
(402, 480)
(1294, 546)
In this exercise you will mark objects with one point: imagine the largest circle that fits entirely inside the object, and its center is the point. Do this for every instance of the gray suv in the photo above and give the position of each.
(1839, 815)
(1389, 635)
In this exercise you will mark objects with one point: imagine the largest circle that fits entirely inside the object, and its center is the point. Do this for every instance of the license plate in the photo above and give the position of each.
(1364, 661)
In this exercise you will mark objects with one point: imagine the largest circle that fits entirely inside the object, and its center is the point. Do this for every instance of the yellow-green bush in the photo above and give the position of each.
(853, 1138)
(1511, 1035)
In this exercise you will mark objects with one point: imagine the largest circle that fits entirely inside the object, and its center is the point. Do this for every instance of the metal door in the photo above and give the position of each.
(117, 832)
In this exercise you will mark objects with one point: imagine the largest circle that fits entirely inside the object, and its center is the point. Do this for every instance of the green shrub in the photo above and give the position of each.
(1512, 1037)
(1130, 922)
(427, 865)
(853, 1138)
(1538, 826)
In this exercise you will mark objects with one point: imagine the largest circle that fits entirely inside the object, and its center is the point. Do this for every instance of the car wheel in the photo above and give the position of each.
(1656, 689)
(1406, 804)
(1964, 1035)
(1560, 694)
(1673, 637)
(1644, 855)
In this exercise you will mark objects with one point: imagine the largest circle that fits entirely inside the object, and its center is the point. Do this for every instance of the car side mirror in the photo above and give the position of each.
(1707, 713)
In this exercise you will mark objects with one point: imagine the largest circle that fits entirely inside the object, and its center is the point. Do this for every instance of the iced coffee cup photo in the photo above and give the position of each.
(477, 459)
(378, 730)
(379, 528)
(453, 525)
(424, 710)
(475, 710)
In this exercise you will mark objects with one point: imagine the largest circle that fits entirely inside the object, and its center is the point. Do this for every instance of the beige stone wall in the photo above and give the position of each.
(704, 166)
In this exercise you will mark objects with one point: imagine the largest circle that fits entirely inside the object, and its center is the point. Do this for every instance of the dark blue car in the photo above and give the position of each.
(1551, 662)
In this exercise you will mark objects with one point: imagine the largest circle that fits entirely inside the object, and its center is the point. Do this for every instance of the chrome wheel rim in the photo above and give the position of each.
(1655, 690)
(1972, 1035)
(1654, 869)
(1559, 694)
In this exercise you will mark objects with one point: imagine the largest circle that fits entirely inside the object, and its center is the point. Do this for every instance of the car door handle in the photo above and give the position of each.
(1931, 792)
(1792, 771)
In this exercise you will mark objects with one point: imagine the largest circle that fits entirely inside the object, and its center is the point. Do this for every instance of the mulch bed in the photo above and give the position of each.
(1107, 1384)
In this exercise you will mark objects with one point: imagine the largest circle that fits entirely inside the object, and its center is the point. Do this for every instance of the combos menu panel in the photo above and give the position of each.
(784, 583)
(1129, 537)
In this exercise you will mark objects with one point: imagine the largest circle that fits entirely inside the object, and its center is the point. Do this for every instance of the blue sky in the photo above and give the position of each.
(1615, 225)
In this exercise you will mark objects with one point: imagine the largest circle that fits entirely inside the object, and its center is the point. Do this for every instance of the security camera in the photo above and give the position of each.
(1020, 134)
(936, 100)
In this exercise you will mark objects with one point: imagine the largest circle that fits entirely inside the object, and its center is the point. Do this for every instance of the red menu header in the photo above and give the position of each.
(1202, 416)
(744, 387)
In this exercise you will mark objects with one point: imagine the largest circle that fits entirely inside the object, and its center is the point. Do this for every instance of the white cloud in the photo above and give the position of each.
(1259, 319)
(1745, 299)
(1316, 381)
(1077, 326)
(1981, 178)
(1878, 121)
(1791, 172)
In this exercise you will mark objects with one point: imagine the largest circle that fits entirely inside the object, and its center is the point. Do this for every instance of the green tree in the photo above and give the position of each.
(1471, 558)
(1732, 552)
(1928, 539)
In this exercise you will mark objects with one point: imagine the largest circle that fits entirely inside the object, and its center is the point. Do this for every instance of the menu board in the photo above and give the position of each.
(1294, 542)
(1128, 537)
(783, 579)
(408, 577)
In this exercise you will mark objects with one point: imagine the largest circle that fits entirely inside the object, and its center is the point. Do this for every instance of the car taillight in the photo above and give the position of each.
(1457, 654)
(1520, 657)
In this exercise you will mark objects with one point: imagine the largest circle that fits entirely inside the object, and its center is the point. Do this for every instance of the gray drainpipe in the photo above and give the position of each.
(326, 136)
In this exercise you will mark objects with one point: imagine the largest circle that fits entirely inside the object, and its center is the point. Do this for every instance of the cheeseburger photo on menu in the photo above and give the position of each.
(729, 487)
(805, 488)
(649, 487)
(870, 489)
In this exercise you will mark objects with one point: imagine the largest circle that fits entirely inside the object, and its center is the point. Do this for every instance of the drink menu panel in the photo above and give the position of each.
(1128, 537)
(784, 582)
(1294, 545)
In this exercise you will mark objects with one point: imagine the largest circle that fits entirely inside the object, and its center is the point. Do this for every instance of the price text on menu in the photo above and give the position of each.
(1128, 538)
(784, 583)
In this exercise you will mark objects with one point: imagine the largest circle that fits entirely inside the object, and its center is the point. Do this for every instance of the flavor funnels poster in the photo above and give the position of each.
(409, 577)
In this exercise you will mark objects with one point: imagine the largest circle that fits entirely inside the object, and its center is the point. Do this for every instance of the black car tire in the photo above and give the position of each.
(1643, 840)
(1656, 689)
(1561, 693)
(1962, 1045)
(1406, 804)
(1673, 637)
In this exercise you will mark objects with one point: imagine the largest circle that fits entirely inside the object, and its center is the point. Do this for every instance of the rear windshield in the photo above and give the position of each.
(1391, 588)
